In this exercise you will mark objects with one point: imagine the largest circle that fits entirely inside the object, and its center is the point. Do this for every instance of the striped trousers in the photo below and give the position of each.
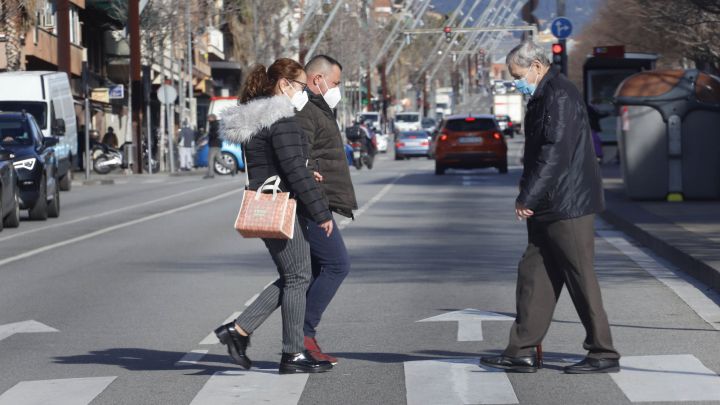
(292, 259)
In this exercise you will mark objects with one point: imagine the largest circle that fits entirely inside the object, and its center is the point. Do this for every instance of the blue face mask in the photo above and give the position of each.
(524, 87)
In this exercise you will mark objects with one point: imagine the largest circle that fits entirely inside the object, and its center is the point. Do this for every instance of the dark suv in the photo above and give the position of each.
(35, 162)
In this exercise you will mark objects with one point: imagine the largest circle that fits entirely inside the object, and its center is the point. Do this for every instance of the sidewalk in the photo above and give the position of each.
(685, 233)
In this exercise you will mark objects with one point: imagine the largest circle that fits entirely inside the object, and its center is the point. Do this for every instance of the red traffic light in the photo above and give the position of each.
(447, 30)
(557, 49)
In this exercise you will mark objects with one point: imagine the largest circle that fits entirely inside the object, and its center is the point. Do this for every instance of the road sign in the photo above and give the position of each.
(117, 92)
(561, 27)
(167, 94)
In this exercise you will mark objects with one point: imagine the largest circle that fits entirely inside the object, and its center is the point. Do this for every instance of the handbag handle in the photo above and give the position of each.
(272, 183)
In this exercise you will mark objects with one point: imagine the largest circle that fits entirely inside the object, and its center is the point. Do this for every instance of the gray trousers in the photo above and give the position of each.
(292, 259)
(215, 154)
(559, 253)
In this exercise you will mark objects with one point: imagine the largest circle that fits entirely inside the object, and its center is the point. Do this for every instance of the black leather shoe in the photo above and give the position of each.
(236, 344)
(302, 363)
(591, 366)
(524, 364)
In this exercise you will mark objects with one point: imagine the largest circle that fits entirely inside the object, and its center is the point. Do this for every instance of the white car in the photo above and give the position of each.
(408, 121)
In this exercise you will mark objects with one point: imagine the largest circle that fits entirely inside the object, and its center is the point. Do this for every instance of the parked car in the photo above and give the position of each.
(48, 97)
(9, 200)
(35, 162)
(469, 142)
(408, 121)
(506, 125)
(412, 144)
(230, 153)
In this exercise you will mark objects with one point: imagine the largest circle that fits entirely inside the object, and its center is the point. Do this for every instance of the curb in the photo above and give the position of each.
(103, 182)
(685, 262)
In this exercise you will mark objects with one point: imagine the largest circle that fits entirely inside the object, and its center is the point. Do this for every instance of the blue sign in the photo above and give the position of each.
(561, 27)
(116, 92)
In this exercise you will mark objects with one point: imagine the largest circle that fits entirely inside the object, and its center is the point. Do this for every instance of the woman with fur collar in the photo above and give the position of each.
(264, 123)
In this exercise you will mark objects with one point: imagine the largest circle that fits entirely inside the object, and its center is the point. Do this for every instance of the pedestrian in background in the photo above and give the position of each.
(560, 193)
(110, 139)
(275, 145)
(186, 141)
(330, 261)
(214, 146)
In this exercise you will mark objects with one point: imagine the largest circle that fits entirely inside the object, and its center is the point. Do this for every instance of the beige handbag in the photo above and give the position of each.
(264, 215)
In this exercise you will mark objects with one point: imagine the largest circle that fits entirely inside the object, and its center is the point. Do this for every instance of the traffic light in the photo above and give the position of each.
(560, 56)
(448, 33)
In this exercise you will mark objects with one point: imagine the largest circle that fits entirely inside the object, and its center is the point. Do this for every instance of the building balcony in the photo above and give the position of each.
(42, 45)
(215, 41)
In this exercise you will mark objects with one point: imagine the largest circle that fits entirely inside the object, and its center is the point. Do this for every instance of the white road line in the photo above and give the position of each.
(104, 214)
(706, 305)
(347, 221)
(114, 228)
(70, 391)
(211, 339)
(252, 299)
(456, 381)
(30, 326)
(673, 378)
(254, 387)
(191, 358)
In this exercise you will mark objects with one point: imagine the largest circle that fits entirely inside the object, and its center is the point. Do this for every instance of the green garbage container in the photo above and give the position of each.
(669, 135)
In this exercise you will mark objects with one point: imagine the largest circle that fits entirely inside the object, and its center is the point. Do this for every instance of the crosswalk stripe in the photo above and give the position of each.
(670, 378)
(192, 357)
(69, 391)
(456, 381)
(253, 387)
(211, 339)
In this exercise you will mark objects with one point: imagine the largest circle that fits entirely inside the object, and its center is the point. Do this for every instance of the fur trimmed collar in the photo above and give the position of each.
(242, 122)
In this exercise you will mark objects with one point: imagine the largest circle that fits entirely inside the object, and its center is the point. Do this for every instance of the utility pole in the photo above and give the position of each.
(136, 83)
(63, 38)
(192, 120)
(563, 42)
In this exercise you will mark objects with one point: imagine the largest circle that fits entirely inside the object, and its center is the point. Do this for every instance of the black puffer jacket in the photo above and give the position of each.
(561, 178)
(327, 155)
(275, 144)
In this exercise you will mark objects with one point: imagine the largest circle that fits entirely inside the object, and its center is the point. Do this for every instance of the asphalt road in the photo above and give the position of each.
(134, 276)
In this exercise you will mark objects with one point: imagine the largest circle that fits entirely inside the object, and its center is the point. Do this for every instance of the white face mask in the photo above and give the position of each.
(332, 96)
(298, 100)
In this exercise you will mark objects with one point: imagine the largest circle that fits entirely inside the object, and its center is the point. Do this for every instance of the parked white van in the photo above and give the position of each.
(47, 96)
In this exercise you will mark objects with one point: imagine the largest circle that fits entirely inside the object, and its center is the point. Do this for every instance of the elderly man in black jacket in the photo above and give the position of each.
(560, 193)
(330, 262)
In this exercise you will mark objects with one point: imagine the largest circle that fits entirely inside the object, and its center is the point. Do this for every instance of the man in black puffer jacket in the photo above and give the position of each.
(330, 260)
(560, 193)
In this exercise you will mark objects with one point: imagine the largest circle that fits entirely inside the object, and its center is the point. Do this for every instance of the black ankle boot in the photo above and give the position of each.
(302, 363)
(236, 344)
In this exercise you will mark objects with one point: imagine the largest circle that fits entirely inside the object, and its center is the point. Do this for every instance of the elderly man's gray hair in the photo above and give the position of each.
(524, 54)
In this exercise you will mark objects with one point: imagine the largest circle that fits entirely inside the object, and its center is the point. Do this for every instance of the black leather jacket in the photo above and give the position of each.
(561, 178)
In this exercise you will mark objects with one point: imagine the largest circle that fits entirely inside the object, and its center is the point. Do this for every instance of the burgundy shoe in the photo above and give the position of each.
(311, 345)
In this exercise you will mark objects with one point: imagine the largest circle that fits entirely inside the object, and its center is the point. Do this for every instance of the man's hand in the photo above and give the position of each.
(327, 226)
(318, 177)
(522, 212)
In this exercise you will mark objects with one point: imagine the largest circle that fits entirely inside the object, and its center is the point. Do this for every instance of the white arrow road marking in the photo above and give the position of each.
(70, 391)
(211, 339)
(673, 378)
(469, 322)
(456, 381)
(251, 388)
(30, 326)
(706, 305)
